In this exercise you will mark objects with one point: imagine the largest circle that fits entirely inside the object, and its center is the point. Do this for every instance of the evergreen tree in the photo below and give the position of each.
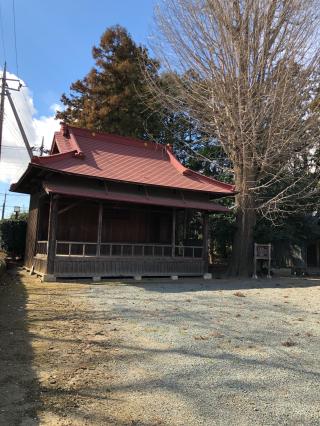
(113, 96)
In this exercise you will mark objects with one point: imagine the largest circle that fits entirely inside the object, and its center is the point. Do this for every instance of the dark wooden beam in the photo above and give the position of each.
(100, 216)
(182, 196)
(185, 224)
(43, 193)
(146, 192)
(173, 236)
(70, 206)
(205, 232)
(39, 219)
(52, 233)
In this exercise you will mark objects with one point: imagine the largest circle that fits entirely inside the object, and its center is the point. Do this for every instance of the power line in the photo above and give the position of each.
(12, 147)
(15, 35)
(16, 55)
(10, 206)
(6, 90)
(16, 116)
(2, 98)
(26, 100)
(14, 195)
(13, 130)
(2, 35)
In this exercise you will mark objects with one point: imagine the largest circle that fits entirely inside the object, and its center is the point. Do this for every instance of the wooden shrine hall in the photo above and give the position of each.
(110, 206)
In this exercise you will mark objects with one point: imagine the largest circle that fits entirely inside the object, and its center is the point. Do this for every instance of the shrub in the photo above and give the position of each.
(3, 267)
(13, 236)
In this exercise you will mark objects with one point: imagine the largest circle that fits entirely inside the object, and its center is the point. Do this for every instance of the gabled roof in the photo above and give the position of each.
(82, 152)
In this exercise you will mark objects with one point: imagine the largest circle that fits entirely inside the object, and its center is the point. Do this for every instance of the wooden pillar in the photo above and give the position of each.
(99, 228)
(173, 236)
(185, 224)
(52, 233)
(39, 221)
(31, 237)
(205, 231)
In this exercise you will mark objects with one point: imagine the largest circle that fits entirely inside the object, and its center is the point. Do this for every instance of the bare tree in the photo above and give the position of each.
(247, 71)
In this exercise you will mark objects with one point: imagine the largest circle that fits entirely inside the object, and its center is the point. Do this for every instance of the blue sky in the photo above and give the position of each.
(54, 42)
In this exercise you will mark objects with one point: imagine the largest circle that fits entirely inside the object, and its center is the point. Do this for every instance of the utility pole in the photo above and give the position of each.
(3, 88)
(42, 147)
(5, 91)
(4, 206)
(16, 116)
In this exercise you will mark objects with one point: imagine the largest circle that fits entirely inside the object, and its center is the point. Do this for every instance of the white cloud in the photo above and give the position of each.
(14, 156)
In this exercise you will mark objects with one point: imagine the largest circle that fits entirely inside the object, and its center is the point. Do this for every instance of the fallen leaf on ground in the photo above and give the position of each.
(216, 334)
(239, 294)
(201, 337)
(288, 343)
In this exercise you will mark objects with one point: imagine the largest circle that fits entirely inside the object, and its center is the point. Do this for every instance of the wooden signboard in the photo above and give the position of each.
(262, 252)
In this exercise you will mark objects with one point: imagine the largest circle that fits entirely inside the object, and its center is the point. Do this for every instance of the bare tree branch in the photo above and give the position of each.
(247, 71)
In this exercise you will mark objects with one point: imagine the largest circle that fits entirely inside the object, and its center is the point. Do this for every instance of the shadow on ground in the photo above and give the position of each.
(193, 284)
(19, 387)
(189, 285)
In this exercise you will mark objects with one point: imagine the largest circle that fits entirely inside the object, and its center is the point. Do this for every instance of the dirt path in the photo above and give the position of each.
(52, 355)
(159, 353)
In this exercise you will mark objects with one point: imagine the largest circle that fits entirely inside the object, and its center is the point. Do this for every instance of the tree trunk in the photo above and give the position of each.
(242, 249)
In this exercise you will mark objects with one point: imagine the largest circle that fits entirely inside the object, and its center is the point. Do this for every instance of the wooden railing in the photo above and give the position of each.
(86, 249)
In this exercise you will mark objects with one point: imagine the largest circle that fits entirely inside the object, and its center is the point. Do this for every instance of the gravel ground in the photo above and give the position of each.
(188, 352)
(218, 353)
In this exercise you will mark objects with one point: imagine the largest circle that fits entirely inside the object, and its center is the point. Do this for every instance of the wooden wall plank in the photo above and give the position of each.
(127, 267)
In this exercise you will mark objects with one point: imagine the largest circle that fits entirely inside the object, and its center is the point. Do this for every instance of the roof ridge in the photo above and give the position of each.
(73, 140)
(186, 171)
(47, 158)
(173, 160)
(126, 140)
(209, 179)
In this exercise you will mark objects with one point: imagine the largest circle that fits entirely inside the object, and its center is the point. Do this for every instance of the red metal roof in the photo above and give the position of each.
(86, 192)
(83, 152)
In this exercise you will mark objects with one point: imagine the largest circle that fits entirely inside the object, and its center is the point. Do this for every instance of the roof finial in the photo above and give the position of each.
(64, 129)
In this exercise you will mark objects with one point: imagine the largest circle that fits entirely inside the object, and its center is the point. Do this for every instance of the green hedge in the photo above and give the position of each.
(13, 236)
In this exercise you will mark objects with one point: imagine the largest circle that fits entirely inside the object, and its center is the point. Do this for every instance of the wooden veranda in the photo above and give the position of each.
(86, 238)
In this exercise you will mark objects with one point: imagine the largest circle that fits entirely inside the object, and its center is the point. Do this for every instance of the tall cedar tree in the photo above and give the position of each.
(112, 97)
